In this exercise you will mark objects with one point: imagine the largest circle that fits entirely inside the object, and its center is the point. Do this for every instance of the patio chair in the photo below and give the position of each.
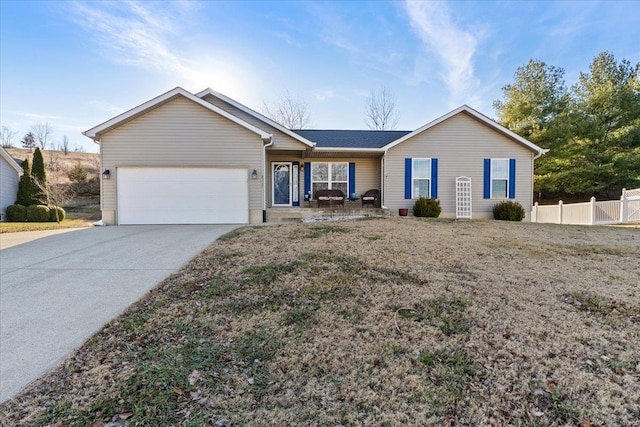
(371, 197)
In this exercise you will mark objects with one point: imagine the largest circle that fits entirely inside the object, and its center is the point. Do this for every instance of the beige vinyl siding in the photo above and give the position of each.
(9, 180)
(184, 134)
(460, 144)
(281, 141)
(367, 171)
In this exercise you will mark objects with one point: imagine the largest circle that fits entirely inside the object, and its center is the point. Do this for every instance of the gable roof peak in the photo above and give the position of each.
(10, 160)
(255, 114)
(94, 132)
(478, 116)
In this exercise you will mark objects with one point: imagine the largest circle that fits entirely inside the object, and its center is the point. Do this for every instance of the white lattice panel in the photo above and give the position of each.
(463, 197)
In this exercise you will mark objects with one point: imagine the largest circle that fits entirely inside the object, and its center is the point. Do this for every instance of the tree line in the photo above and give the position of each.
(39, 135)
(591, 129)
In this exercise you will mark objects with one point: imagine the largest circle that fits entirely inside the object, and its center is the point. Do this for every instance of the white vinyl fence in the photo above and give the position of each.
(621, 211)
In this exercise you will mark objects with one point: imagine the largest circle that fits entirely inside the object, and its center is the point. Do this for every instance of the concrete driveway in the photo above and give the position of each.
(57, 291)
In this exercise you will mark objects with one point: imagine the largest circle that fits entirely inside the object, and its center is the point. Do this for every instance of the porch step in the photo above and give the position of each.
(299, 214)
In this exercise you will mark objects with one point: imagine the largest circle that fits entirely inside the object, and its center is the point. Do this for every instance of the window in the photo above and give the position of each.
(332, 176)
(421, 178)
(499, 178)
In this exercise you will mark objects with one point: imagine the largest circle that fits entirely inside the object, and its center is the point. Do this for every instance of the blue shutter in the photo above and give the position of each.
(487, 178)
(512, 178)
(434, 178)
(307, 178)
(407, 178)
(352, 179)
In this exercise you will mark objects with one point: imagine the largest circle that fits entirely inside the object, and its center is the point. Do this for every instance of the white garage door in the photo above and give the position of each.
(182, 196)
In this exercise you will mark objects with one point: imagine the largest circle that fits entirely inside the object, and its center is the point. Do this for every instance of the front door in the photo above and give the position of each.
(281, 183)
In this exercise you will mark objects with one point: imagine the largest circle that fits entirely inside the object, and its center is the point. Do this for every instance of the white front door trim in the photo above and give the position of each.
(277, 167)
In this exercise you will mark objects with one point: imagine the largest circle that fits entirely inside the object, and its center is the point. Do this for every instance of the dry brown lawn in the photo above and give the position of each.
(378, 322)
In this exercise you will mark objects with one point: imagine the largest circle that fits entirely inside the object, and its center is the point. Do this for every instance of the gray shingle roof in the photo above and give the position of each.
(351, 138)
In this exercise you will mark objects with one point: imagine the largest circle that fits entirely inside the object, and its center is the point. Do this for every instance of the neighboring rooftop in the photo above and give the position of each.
(351, 138)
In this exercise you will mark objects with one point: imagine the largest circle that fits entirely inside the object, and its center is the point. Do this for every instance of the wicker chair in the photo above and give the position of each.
(371, 197)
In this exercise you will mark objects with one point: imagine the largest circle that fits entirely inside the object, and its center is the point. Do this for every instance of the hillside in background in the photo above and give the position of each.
(58, 165)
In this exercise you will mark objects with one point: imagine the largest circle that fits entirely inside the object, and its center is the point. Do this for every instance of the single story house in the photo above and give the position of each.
(10, 173)
(184, 158)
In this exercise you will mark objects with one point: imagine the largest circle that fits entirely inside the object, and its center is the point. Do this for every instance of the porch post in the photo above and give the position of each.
(560, 212)
(624, 213)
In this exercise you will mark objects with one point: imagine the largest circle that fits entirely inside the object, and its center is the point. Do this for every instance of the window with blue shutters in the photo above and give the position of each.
(499, 178)
(421, 178)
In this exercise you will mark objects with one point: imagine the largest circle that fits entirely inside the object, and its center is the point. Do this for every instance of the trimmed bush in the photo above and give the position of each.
(429, 208)
(16, 213)
(508, 211)
(52, 213)
(38, 213)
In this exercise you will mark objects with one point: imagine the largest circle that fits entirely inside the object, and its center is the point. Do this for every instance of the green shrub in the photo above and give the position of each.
(52, 213)
(38, 213)
(429, 208)
(508, 211)
(16, 213)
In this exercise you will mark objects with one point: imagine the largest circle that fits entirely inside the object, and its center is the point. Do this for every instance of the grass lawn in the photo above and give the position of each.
(80, 212)
(13, 227)
(383, 322)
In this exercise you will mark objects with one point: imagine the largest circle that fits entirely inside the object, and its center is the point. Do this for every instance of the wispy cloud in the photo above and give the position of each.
(106, 106)
(325, 94)
(35, 116)
(132, 34)
(157, 37)
(454, 47)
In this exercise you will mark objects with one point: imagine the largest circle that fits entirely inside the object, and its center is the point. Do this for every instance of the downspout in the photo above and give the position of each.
(540, 153)
(265, 144)
(382, 179)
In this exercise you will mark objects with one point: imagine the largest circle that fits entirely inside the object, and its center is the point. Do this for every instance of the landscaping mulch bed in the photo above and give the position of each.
(398, 321)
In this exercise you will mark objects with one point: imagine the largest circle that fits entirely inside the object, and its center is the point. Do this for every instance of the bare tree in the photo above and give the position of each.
(292, 113)
(7, 136)
(54, 195)
(42, 132)
(381, 110)
(64, 145)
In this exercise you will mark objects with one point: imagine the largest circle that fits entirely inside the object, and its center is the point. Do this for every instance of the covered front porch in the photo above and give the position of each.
(293, 180)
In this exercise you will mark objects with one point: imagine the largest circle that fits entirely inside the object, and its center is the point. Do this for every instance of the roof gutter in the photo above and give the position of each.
(540, 153)
(359, 150)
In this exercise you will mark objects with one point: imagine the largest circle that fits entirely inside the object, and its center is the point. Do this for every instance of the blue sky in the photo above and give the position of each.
(77, 64)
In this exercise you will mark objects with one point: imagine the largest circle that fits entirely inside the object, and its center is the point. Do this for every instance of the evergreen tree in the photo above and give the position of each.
(39, 175)
(25, 186)
(29, 141)
(38, 171)
(592, 130)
